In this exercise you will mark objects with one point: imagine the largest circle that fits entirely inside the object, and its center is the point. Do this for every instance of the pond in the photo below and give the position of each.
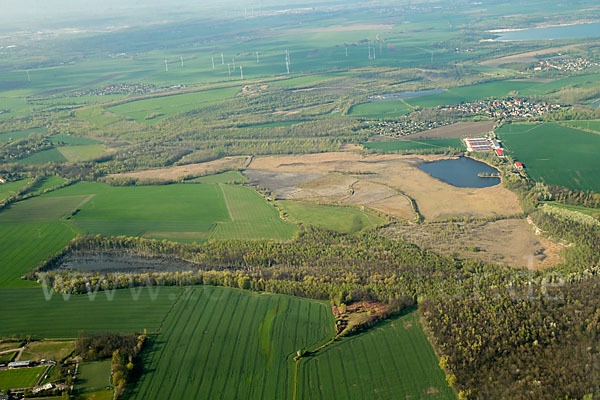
(462, 172)
(406, 95)
(553, 32)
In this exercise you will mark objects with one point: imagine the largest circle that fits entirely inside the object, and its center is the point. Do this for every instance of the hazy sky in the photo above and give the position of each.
(38, 14)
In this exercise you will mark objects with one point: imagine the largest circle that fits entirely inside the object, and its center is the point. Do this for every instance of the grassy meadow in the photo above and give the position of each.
(154, 109)
(339, 219)
(63, 316)
(11, 188)
(20, 378)
(228, 343)
(555, 154)
(391, 361)
(93, 376)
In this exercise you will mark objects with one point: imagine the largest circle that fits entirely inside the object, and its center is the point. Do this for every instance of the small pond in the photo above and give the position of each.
(461, 172)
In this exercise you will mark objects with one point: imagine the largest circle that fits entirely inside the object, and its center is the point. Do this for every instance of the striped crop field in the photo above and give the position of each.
(30, 312)
(231, 344)
(252, 217)
(25, 245)
(391, 361)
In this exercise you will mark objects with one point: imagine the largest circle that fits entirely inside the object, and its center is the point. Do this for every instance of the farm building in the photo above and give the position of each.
(500, 153)
(43, 388)
(478, 144)
(20, 364)
(518, 165)
(2, 180)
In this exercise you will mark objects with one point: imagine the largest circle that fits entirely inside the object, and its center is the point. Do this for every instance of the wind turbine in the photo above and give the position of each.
(257, 60)
(346, 52)
(166, 66)
(233, 61)
(222, 59)
(182, 62)
(241, 72)
(229, 68)
(213, 62)
(28, 77)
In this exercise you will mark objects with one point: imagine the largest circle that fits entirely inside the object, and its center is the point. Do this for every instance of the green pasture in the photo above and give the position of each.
(137, 210)
(394, 360)
(340, 219)
(81, 153)
(555, 154)
(381, 109)
(228, 343)
(20, 378)
(44, 157)
(47, 183)
(409, 145)
(154, 109)
(48, 350)
(25, 245)
(463, 94)
(29, 312)
(251, 217)
(592, 125)
(97, 116)
(93, 375)
(22, 134)
(10, 188)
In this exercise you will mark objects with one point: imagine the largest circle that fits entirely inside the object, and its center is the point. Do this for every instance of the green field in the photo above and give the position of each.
(340, 219)
(155, 109)
(10, 188)
(408, 145)
(471, 93)
(48, 183)
(22, 134)
(592, 212)
(391, 361)
(28, 312)
(49, 350)
(231, 344)
(20, 378)
(93, 376)
(381, 109)
(34, 229)
(81, 153)
(555, 154)
(593, 125)
(139, 210)
(224, 177)
(44, 157)
(26, 245)
(251, 217)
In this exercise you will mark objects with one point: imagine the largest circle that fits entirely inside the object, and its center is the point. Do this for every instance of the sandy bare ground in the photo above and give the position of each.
(527, 57)
(510, 241)
(179, 171)
(457, 130)
(378, 181)
(348, 28)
